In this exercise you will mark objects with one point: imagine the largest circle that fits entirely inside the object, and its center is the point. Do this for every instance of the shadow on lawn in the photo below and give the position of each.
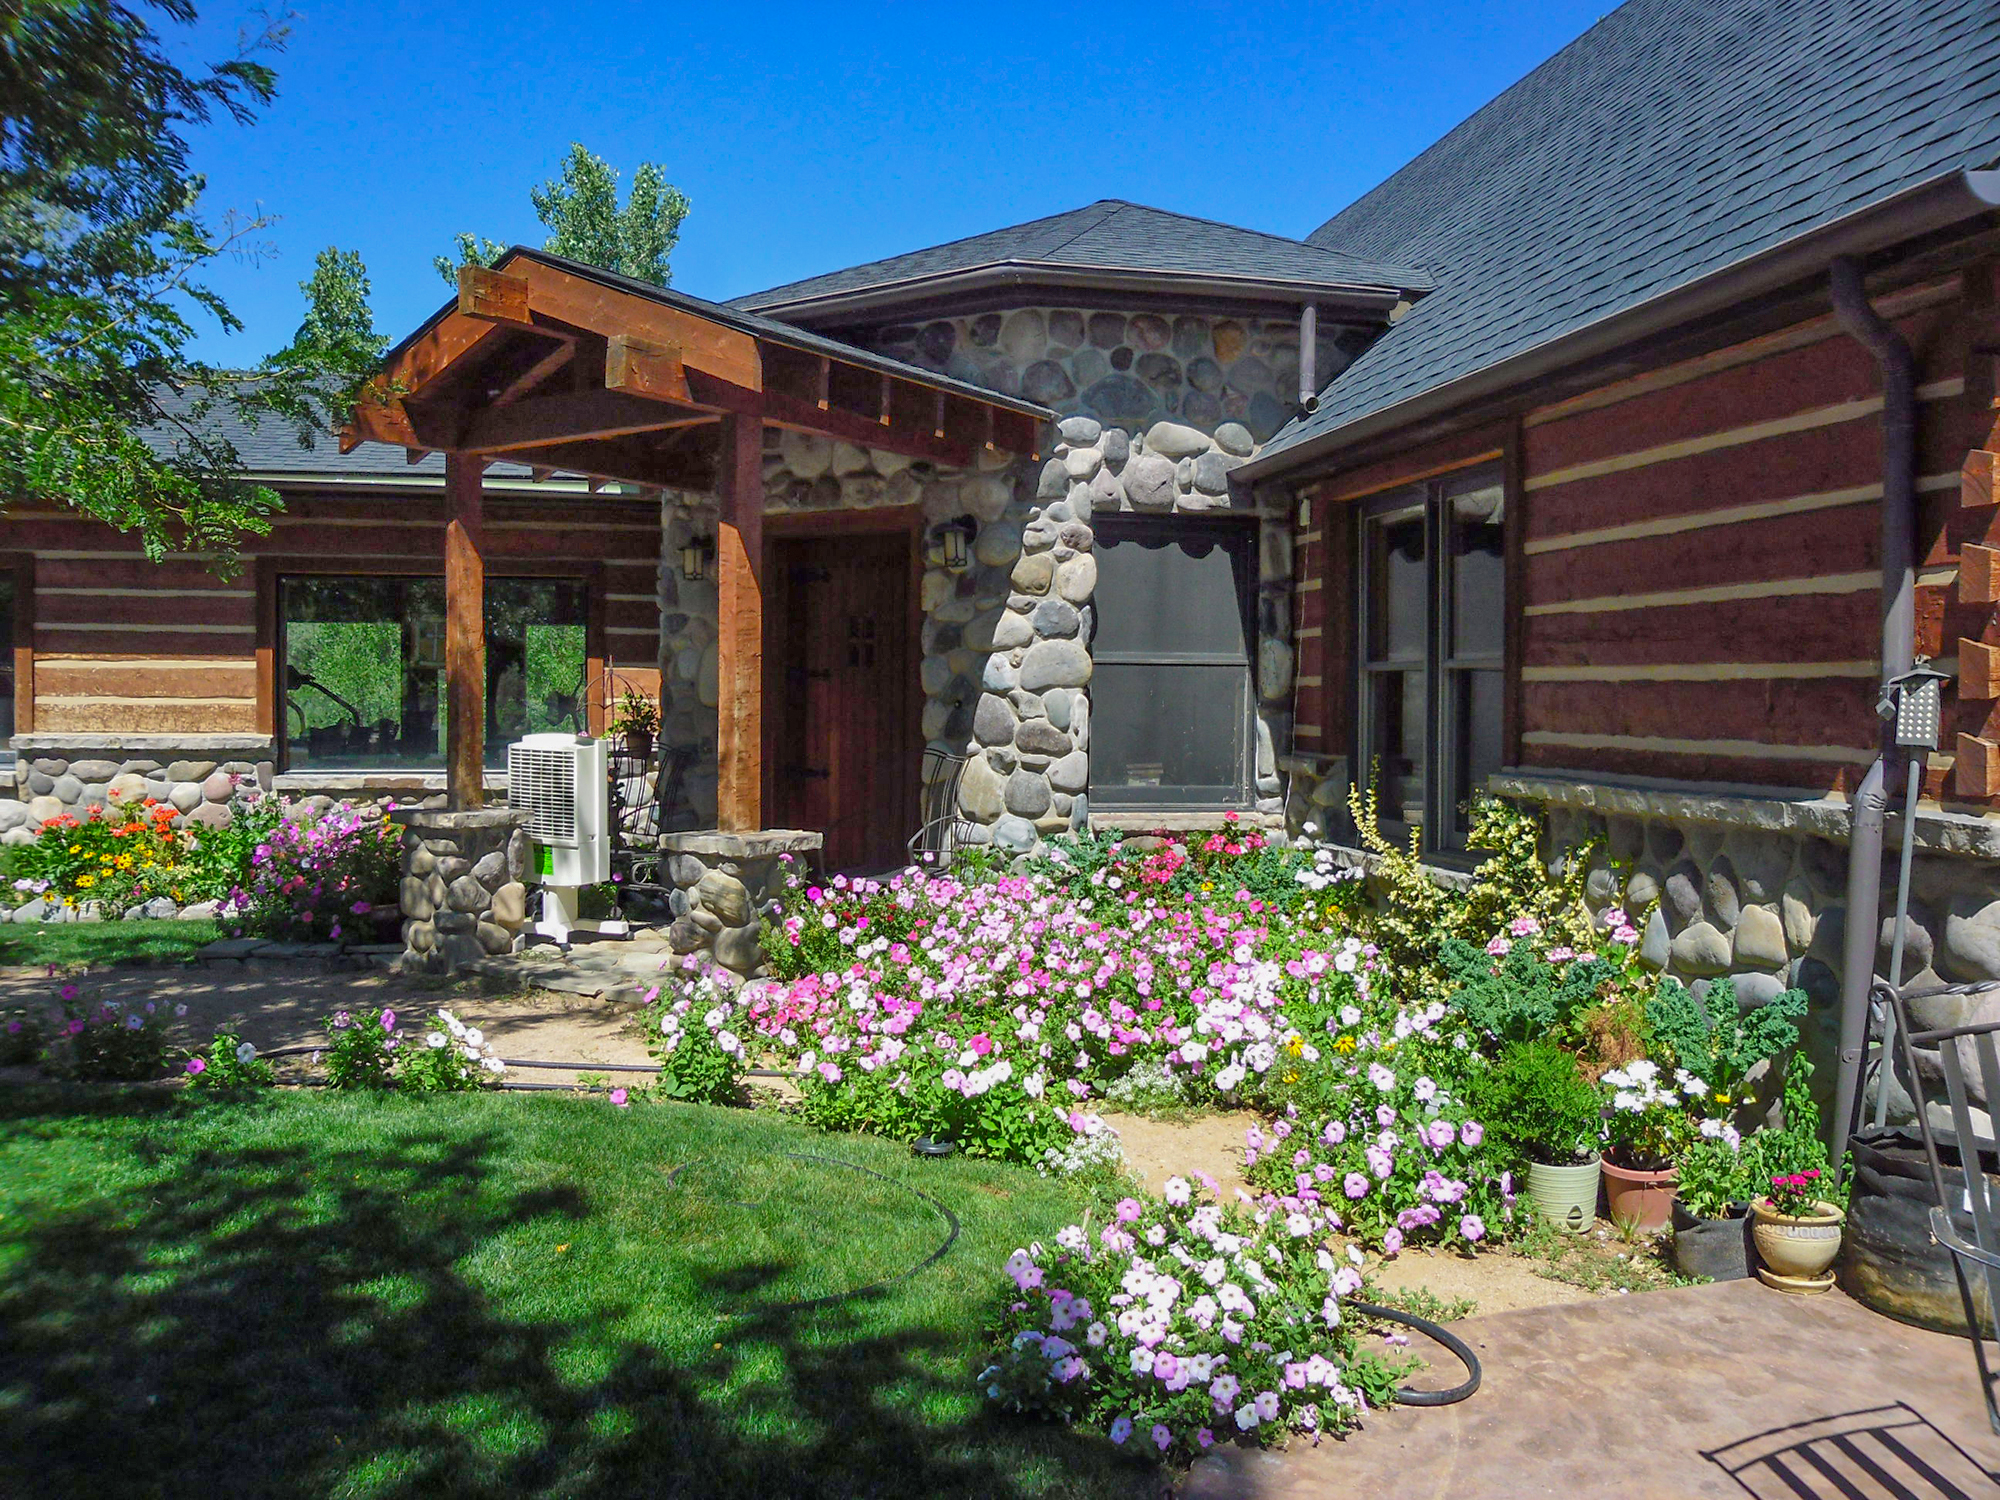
(218, 1334)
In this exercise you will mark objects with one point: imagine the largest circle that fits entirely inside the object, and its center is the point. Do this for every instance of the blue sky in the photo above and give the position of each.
(814, 137)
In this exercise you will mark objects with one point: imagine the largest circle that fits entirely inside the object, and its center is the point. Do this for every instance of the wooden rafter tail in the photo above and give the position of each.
(641, 367)
(937, 414)
(823, 395)
(493, 295)
(886, 415)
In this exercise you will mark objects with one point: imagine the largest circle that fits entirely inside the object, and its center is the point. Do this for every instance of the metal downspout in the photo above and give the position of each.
(1898, 607)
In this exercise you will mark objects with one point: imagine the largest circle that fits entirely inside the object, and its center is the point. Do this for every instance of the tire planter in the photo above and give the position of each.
(1565, 1196)
(1889, 1263)
(1716, 1248)
(1642, 1200)
(1797, 1248)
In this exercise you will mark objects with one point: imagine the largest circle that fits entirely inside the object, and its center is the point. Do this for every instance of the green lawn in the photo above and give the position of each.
(336, 1295)
(68, 943)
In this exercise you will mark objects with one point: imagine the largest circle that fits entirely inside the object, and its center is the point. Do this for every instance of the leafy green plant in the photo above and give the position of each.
(1537, 1102)
(362, 1054)
(1521, 996)
(637, 714)
(228, 1066)
(1714, 1039)
(697, 1035)
(450, 1058)
(107, 1040)
(22, 1036)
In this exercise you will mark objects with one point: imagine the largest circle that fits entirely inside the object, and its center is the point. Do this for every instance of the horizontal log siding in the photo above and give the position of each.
(124, 645)
(1702, 555)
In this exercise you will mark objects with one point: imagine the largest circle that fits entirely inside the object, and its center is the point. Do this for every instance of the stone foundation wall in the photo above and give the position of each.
(1756, 889)
(463, 893)
(196, 775)
(725, 886)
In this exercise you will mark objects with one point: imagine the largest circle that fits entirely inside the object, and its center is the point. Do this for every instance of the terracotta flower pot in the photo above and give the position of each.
(1800, 1247)
(1640, 1200)
(1565, 1195)
(639, 743)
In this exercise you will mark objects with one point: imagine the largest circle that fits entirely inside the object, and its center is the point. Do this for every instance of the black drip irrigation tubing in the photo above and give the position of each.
(808, 1303)
(1433, 1331)
(1441, 1335)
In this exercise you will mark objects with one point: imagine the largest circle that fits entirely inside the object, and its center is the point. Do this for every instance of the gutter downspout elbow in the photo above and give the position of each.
(1898, 618)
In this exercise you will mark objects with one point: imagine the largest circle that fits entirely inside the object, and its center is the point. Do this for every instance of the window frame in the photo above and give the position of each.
(271, 633)
(1445, 838)
(1238, 535)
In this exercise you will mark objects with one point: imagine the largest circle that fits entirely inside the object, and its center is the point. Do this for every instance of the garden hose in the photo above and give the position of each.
(1459, 1348)
(806, 1304)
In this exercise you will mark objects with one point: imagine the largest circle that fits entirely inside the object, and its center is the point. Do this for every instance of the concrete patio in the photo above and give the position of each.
(1720, 1390)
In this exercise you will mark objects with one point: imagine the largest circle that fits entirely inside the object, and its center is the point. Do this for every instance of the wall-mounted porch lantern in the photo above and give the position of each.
(698, 558)
(951, 544)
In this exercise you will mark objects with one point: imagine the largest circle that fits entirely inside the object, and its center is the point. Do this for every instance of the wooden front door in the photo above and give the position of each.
(847, 753)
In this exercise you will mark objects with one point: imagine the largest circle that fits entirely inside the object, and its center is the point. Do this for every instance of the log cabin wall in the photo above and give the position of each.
(1701, 556)
(1695, 636)
(133, 676)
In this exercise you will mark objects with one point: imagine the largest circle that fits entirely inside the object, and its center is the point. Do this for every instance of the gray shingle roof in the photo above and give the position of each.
(271, 447)
(1112, 235)
(1673, 139)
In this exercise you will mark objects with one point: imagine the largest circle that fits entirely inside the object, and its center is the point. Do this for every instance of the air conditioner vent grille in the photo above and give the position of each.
(543, 784)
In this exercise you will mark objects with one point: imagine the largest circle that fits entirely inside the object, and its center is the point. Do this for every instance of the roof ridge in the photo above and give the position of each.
(1264, 234)
(1112, 206)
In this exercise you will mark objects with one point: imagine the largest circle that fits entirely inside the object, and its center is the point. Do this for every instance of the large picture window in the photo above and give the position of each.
(1432, 632)
(1170, 686)
(364, 668)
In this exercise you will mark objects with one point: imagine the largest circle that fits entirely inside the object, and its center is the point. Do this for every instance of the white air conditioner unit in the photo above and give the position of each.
(562, 782)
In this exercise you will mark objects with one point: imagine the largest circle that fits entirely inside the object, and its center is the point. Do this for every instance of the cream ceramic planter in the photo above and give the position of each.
(1799, 1246)
(1565, 1196)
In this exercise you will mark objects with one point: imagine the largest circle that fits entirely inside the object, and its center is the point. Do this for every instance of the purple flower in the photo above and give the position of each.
(620, 1098)
(1392, 1241)
(1162, 1438)
(196, 1066)
(1355, 1185)
(388, 1020)
(1473, 1228)
(1471, 1133)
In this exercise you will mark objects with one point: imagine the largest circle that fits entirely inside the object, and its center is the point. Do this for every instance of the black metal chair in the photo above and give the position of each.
(943, 831)
(648, 798)
(1975, 1263)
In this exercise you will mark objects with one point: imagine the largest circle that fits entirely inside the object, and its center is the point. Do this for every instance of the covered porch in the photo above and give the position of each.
(570, 369)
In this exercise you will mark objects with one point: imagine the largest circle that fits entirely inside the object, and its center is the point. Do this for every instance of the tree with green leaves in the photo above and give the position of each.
(103, 244)
(580, 210)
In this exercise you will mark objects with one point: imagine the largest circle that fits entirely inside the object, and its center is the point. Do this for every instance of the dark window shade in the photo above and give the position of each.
(1170, 698)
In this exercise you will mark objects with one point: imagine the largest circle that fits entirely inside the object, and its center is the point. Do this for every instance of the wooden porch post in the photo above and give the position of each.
(464, 631)
(739, 562)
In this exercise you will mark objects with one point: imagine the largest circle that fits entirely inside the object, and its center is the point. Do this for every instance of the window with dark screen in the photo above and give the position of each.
(1170, 689)
(1431, 622)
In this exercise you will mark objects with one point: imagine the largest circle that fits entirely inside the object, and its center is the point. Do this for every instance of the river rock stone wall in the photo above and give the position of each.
(196, 775)
(725, 886)
(1157, 414)
(464, 890)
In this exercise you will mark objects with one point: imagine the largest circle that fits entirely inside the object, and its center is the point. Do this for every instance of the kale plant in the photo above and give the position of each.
(1716, 1040)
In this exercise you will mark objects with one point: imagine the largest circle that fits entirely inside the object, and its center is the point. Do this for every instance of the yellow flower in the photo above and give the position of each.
(85, 882)
(125, 861)
(1345, 1044)
(76, 848)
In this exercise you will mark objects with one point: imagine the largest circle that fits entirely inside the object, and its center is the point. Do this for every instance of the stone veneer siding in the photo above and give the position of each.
(1158, 412)
(463, 892)
(195, 774)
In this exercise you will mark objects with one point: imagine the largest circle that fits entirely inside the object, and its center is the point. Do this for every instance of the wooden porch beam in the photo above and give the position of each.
(865, 431)
(573, 417)
(465, 631)
(640, 368)
(632, 460)
(739, 561)
(541, 370)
